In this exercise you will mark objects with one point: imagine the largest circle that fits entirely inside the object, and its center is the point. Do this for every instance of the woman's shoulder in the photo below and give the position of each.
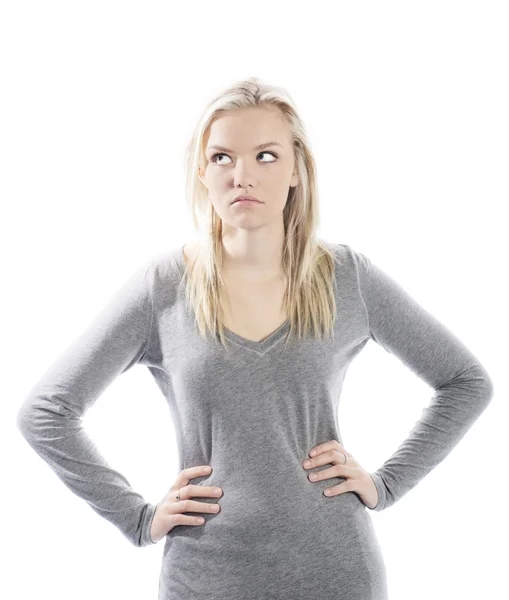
(166, 264)
(343, 253)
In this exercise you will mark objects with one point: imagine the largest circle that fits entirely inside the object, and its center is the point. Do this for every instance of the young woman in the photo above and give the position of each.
(249, 333)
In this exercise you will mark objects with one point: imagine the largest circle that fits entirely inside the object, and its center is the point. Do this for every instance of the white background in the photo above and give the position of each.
(405, 104)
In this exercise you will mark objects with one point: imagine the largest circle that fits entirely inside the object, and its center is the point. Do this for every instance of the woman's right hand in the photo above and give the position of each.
(168, 513)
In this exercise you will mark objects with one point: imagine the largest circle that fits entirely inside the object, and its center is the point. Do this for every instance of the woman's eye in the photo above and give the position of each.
(213, 159)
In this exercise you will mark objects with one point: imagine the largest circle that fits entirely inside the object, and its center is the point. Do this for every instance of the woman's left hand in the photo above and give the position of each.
(357, 479)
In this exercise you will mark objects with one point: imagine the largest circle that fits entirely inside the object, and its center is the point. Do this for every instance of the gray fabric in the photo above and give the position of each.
(253, 414)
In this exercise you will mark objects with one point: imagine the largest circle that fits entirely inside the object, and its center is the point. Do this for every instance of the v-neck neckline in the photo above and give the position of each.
(260, 346)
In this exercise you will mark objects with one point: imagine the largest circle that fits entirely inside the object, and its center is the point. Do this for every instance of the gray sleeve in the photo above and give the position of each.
(50, 417)
(462, 387)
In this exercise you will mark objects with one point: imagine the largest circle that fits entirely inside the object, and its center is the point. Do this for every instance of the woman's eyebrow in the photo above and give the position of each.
(260, 147)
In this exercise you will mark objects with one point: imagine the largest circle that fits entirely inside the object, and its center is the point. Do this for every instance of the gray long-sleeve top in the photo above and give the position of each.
(253, 414)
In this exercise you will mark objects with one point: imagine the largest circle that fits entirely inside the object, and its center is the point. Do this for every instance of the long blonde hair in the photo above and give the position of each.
(308, 263)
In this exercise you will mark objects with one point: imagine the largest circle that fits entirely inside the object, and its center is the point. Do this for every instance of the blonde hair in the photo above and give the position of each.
(308, 263)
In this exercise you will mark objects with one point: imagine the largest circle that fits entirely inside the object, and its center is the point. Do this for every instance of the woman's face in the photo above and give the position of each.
(238, 167)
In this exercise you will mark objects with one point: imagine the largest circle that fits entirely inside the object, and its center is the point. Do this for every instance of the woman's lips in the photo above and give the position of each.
(240, 197)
